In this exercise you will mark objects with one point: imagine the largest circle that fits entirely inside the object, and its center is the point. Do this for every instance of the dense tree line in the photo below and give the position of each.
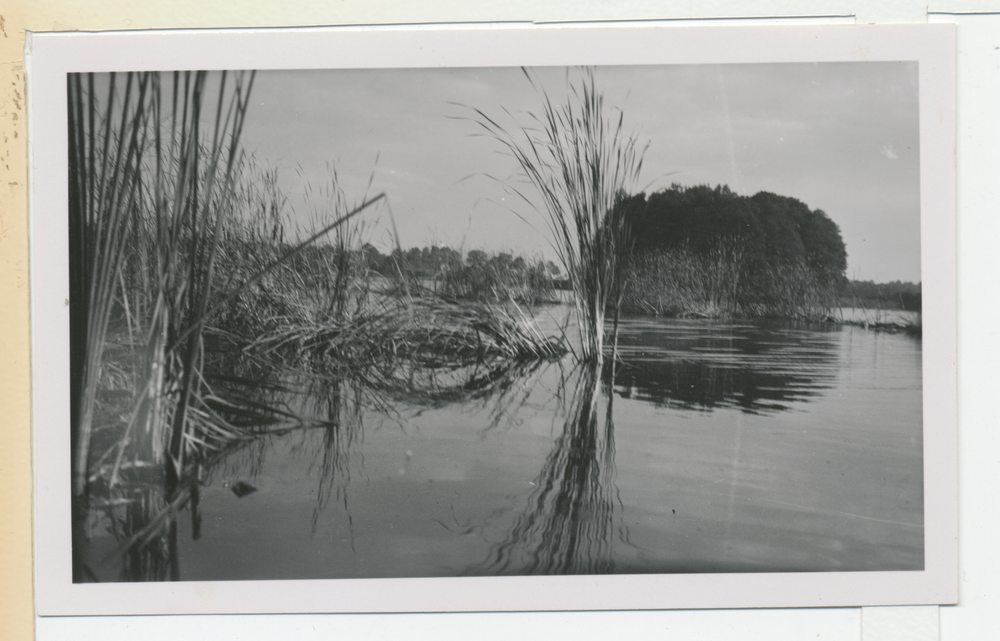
(420, 262)
(434, 261)
(476, 275)
(689, 251)
(776, 253)
(769, 229)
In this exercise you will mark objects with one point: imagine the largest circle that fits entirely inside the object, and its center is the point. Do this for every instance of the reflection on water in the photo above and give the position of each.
(332, 446)
(710, 447)
(569, 522)
(700, 365)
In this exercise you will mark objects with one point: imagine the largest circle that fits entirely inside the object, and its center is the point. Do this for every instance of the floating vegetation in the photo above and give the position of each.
(242, 488)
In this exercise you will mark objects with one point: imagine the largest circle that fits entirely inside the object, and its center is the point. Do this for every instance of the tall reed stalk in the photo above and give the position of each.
(154, 170)
(151, 176)
(581, 161)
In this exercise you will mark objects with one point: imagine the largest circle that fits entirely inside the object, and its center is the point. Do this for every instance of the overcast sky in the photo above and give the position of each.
(841, 137)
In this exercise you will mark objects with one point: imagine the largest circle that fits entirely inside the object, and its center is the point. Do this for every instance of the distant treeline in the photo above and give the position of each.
(429, 262)
(894, 295)
(476, 275)
(767, 228)
(709, 251)
(689, 251)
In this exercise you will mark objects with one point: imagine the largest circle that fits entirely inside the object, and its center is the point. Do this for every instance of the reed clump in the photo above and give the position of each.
(181, 266)
(344, 310)
(156, 202)
(151, 174)
(581, 162)
(397, 338)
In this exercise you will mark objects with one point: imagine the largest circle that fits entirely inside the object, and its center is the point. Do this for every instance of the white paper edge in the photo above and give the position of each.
(54, 55)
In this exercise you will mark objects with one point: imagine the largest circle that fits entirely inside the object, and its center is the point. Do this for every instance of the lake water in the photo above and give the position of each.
(720, 447)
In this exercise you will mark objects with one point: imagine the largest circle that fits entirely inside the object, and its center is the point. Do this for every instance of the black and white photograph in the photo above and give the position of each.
(516, 320)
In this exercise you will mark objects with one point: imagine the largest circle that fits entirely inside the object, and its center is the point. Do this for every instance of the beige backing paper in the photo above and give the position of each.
(16, 605)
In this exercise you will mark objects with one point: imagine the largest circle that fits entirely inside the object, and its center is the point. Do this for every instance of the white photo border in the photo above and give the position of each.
(49, 57)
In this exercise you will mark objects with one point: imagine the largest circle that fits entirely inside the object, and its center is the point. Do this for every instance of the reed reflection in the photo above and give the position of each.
(336, 443)
(134, 499)
(569, 525)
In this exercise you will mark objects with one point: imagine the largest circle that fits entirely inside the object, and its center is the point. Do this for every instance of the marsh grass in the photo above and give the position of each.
(788, 291)
(190, 304)
(154, 167)
(684, 283)
(396, 340)
(149, 182)
(339, 317)
(891, 307)
(580, 161)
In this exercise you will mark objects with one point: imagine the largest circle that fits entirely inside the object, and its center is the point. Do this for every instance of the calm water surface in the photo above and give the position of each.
(720, 447)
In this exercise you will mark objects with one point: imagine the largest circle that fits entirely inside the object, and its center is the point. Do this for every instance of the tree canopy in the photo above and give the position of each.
(765, 229)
